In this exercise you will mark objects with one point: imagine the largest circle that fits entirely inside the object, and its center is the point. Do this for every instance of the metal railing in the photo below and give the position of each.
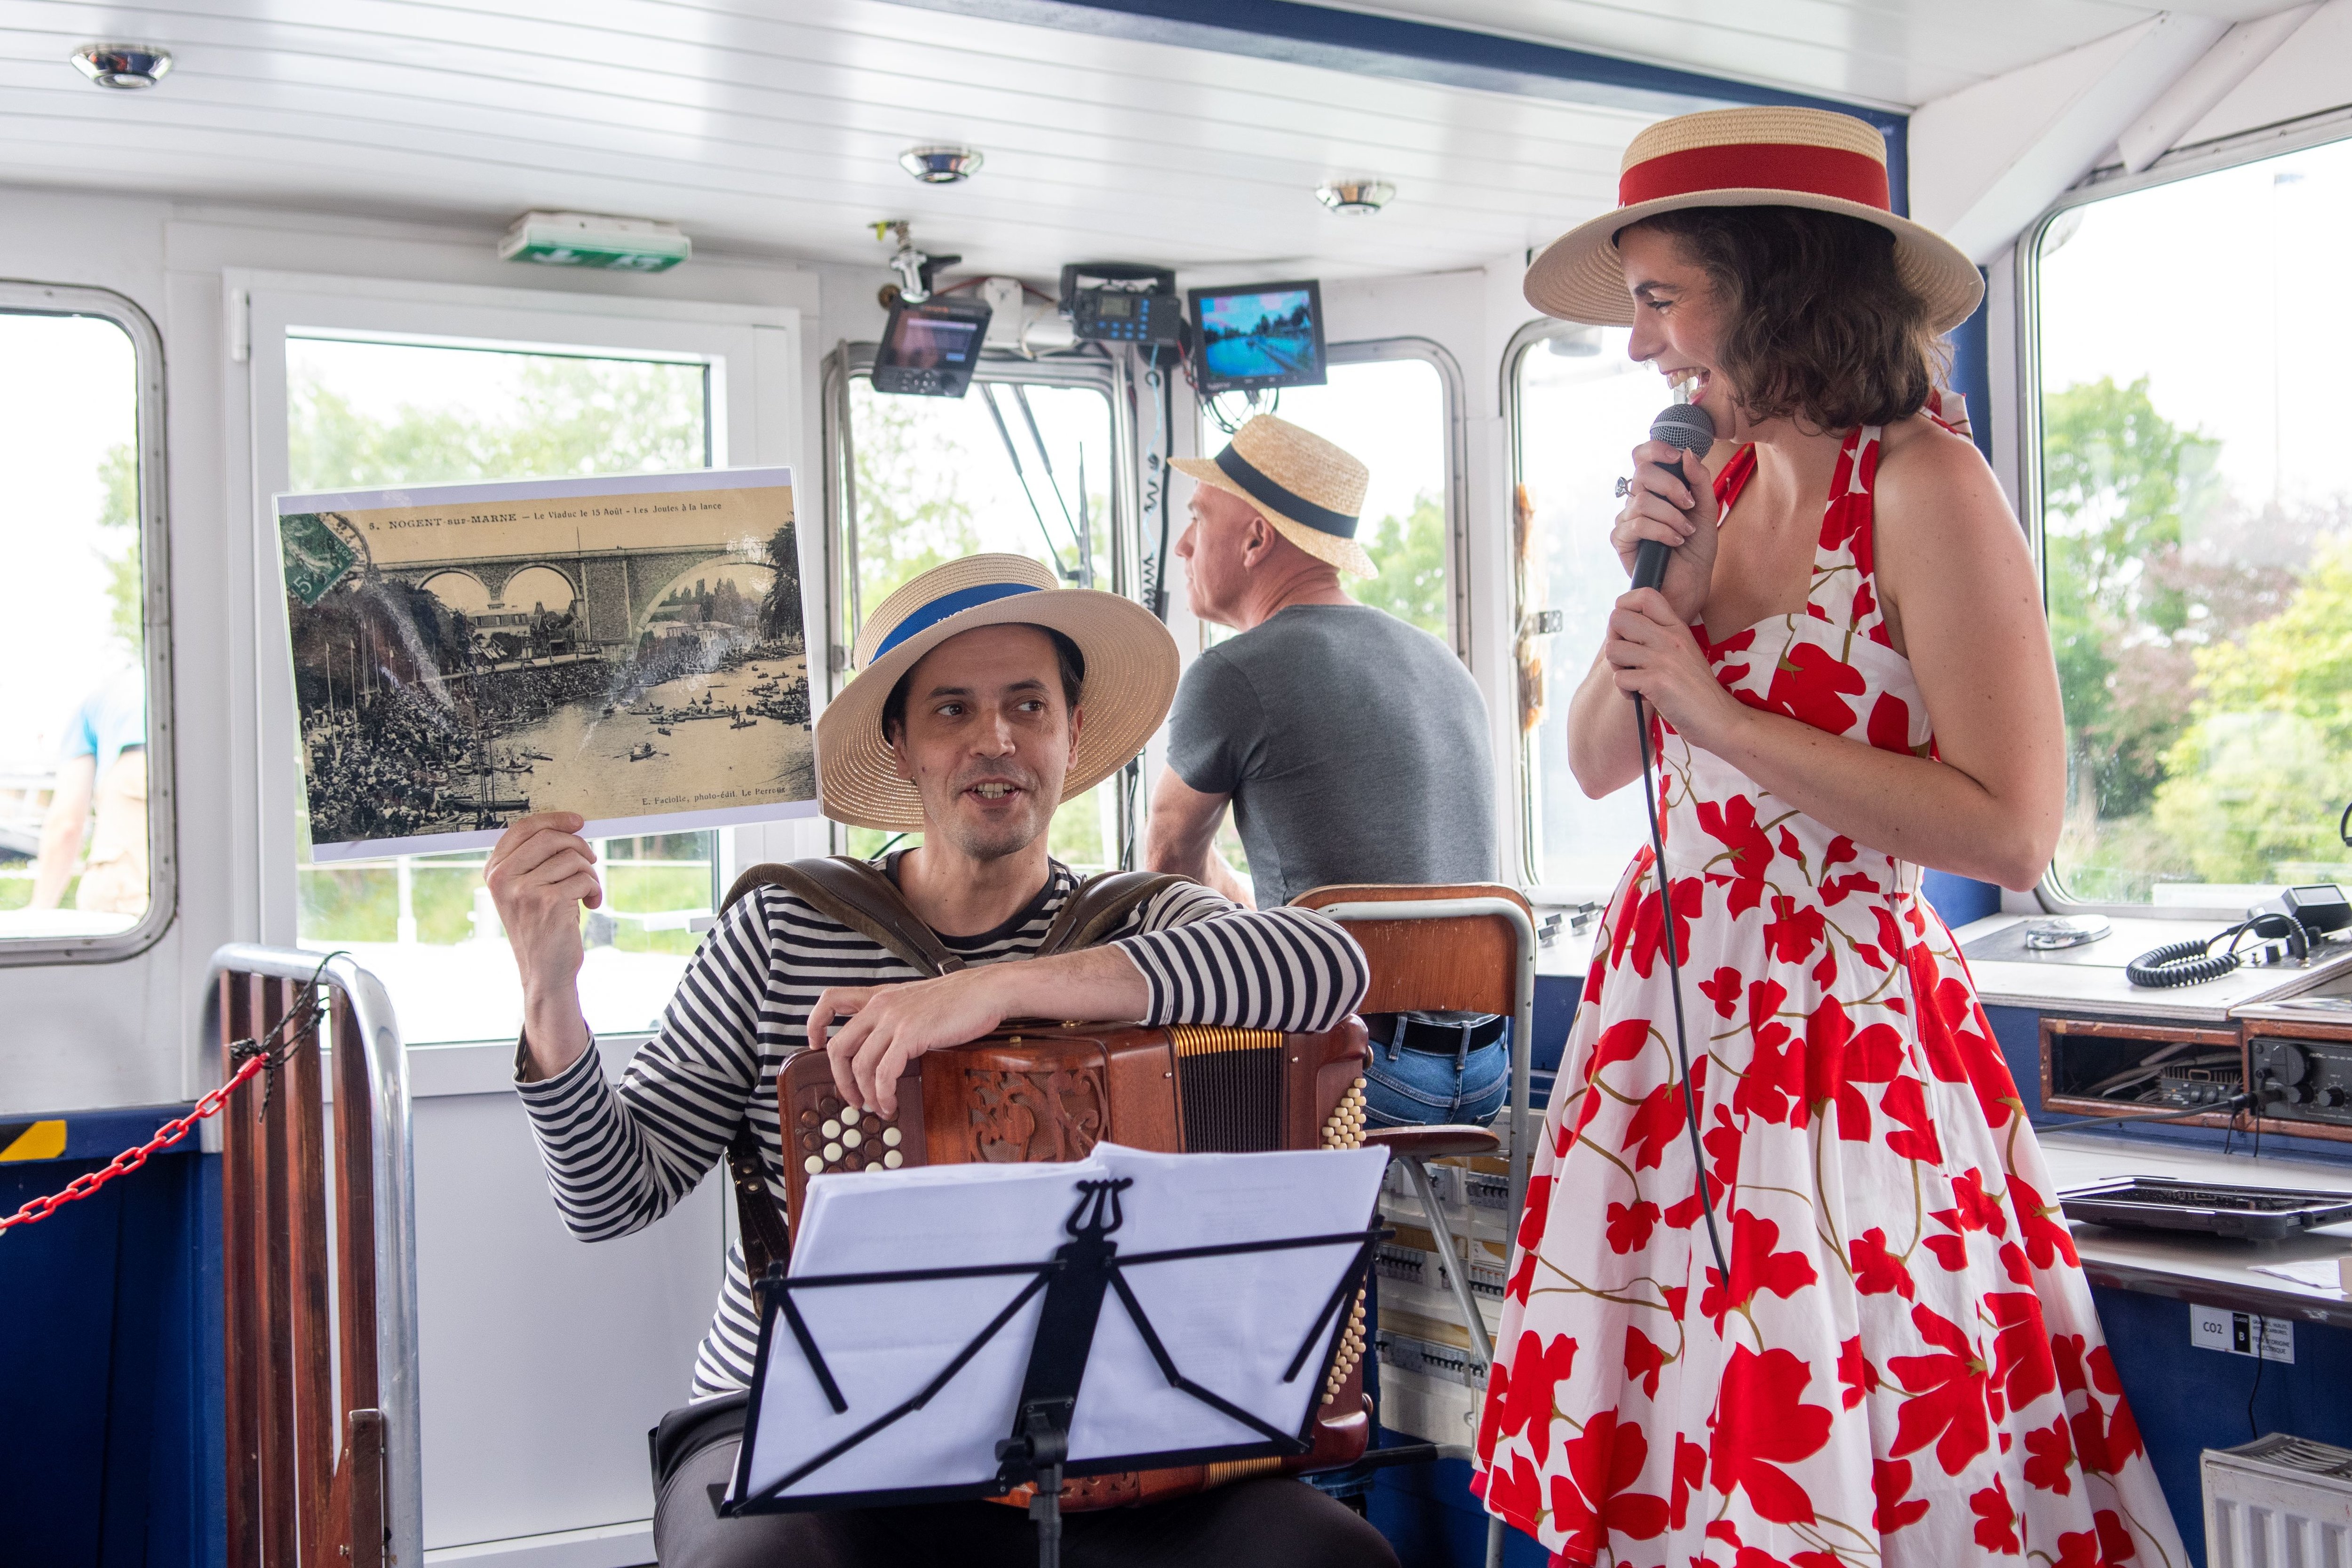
(324, 1460)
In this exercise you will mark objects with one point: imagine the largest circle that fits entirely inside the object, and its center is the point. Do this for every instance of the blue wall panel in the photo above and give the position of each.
(2188, 1399)
(111, 1387)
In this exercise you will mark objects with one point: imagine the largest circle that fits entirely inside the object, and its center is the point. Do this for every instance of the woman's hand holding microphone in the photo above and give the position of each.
(1649, 645)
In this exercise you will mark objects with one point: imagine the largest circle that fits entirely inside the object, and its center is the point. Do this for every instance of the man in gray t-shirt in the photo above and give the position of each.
(1350, 746)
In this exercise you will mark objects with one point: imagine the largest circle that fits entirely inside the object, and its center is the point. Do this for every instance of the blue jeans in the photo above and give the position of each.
(1405, 1087)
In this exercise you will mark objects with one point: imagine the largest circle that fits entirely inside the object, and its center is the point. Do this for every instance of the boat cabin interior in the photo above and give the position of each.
(417, 417)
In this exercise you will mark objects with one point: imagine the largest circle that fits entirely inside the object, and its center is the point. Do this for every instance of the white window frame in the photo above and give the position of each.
(851, 361)
(754, 355)
(2227, 154)
(1459, 623)
(1530, 809)
(1111, 375)
(1455, 500)
(155, 590)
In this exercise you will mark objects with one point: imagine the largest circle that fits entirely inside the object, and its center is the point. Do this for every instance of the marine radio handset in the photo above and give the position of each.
(1689, 428)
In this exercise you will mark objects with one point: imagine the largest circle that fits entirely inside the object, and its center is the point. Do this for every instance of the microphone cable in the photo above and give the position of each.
(1690, 429)
(1675, 978)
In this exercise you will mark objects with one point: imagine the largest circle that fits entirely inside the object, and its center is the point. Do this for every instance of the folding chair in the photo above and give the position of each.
(1469, 947)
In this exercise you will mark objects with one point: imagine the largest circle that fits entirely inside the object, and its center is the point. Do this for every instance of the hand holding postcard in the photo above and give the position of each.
(633, 649)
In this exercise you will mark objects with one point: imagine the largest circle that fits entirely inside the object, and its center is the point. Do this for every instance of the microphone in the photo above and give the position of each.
(1691, 428)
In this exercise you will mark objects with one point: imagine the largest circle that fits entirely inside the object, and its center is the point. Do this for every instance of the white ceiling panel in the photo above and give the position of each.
(763, 125)
(1896, 53)
(760, 128)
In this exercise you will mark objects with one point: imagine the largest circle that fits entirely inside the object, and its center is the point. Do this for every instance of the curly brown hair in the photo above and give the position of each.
(1822, 328)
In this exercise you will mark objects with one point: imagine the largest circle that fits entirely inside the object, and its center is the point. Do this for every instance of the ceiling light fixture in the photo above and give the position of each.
(122, 64)
(1356, 197)
(942, 165)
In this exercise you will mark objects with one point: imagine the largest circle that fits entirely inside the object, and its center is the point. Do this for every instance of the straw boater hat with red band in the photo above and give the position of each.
(1766, 157)
(1130, 677)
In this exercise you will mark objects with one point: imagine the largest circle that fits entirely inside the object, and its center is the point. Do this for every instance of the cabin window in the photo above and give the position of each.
(85, 813)
(2195, 530)
(363, 414)
(1577, 406)
(1392, 403)
(1021, 466)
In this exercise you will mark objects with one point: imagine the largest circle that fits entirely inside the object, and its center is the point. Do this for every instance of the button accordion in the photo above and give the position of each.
(1052, 1093)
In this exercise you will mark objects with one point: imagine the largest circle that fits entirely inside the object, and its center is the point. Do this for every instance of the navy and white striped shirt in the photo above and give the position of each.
(619, 1155)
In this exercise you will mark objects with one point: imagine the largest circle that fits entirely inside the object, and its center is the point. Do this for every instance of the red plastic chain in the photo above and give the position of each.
(170, 1133)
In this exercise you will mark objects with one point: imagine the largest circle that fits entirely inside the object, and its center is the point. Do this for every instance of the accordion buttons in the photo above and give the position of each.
(891, 1137)
(831, 1153)
(811, 1141)
(813, 1166)
(829, 1106)
(851, 1138)
(831, 1129)
(849, 1116)
(894, 1159)
(810, 1118)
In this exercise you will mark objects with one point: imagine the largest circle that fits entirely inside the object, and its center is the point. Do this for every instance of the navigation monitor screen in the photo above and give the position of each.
(928, 342)
(931, 348)
(1263, 335)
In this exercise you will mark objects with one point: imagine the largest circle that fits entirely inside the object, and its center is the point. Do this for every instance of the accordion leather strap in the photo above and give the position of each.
(765, 1240)
(854, 895)
(1100, 905)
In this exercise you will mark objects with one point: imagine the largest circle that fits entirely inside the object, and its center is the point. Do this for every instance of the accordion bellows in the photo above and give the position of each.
(1051, 1093)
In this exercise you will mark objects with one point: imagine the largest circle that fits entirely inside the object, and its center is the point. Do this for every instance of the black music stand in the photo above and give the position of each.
(1073, 1282)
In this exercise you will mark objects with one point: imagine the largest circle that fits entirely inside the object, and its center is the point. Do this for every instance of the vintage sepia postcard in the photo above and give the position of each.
(632, 649)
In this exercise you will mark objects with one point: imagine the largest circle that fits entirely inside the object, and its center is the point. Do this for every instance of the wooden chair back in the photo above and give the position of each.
(1468, 963)
(306, 1458)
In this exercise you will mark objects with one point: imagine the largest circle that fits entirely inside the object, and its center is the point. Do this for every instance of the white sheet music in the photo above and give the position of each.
(1232, 1324)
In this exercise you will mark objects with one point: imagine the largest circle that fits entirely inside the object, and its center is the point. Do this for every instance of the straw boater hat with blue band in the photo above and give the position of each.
(1754, 157)
(1131, 679)
(1310, 490)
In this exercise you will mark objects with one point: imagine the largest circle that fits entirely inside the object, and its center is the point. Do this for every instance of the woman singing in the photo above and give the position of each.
(1849, 678)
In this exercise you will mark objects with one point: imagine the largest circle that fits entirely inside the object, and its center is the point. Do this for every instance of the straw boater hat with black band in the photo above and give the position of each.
(1130, 677)
(1765, 157)
(1310, 490)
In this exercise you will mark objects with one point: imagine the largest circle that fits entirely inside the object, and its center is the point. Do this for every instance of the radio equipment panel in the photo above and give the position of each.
(2308, 1079)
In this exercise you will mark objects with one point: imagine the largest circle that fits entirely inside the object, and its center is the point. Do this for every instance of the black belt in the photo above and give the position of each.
(1437, 1039)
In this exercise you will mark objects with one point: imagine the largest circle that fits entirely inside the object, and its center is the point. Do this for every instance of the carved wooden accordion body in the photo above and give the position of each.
(1052, 1093)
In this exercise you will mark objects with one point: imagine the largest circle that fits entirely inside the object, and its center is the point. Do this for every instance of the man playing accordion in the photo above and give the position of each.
(985, 697)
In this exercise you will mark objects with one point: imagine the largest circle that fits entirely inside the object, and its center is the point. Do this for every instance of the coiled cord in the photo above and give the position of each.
(2181, 964)
(2191, 963)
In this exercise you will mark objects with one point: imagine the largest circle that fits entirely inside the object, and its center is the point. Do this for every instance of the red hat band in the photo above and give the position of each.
(1757, 165)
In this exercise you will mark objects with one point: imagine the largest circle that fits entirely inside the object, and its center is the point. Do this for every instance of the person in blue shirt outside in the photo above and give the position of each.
(102, 791)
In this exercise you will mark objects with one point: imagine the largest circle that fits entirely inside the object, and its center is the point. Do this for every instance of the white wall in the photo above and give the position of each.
(2310, 73)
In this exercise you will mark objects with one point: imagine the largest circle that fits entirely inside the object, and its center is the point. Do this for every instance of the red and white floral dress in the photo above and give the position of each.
(1906, 1366)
